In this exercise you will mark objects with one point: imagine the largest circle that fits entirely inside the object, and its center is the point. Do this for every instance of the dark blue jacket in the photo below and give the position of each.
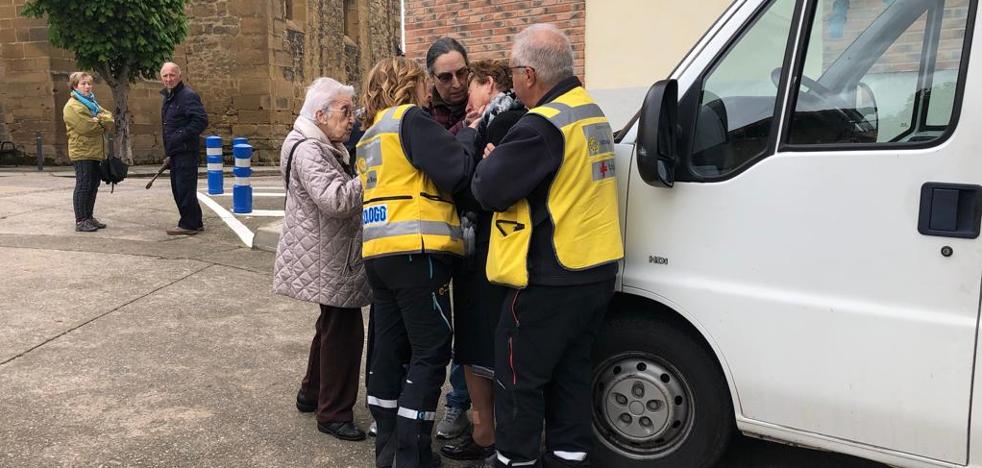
(183, 118)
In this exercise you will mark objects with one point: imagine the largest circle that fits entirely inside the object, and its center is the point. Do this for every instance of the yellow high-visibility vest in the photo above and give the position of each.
(403, 210)
(582, 200)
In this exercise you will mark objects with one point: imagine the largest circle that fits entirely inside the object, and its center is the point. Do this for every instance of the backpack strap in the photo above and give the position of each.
(289, 164)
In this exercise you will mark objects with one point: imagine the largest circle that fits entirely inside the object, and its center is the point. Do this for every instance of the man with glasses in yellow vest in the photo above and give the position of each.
(556, 242)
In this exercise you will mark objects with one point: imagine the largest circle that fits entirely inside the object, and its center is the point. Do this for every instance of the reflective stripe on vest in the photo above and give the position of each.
(403, 211)
(582, 199)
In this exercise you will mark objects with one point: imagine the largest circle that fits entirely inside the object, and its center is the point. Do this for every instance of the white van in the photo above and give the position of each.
(801, 204)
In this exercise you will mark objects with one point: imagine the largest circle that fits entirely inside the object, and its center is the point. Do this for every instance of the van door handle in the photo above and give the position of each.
(950, 210)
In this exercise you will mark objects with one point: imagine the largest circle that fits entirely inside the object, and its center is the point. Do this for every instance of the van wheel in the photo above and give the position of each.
(659, 398)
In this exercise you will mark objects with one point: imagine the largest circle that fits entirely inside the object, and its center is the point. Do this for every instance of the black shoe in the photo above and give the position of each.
(486, 463)
(342, 430)
(85, 226)
(466, 450)
(97, 223)
(305, 406)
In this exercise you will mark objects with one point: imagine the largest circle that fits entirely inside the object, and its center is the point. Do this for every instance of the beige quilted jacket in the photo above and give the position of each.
(318, 258)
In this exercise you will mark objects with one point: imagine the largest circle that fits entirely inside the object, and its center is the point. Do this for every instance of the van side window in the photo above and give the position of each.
(879, 72)
(736, 106)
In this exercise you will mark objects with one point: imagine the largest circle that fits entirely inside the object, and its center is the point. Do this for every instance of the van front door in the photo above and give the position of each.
(824, 227)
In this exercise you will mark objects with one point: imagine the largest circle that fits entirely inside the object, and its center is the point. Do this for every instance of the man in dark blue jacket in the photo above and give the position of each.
(183, 118)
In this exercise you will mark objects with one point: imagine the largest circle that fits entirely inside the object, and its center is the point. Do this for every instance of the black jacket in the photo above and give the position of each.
(466, 202)
(183, 118)
(446, 159)
(524, 166)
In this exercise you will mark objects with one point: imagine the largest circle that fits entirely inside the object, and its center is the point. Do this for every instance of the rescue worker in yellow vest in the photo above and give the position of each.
(555, 242)
(410, 168)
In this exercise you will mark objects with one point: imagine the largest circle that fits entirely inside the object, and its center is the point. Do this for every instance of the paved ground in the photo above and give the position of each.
(128, 347)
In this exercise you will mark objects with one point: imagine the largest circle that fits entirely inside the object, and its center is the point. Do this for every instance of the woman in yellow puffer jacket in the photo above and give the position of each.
(87, 124)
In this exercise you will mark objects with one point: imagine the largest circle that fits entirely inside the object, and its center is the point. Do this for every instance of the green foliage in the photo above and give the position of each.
(126, 39)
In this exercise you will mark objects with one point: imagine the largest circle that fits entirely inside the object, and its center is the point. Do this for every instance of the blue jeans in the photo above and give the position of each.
(458, 396)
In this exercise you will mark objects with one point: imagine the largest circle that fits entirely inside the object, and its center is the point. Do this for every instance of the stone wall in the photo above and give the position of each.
(249, 60)
(486, 27)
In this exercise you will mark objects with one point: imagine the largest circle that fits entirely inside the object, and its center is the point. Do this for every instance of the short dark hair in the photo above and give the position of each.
(481, 70)
(443, 45)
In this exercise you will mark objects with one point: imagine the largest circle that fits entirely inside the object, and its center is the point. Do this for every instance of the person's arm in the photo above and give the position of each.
(197, 119)
(106, 119)
(440, 155)
(334, 193)
(531, 152)
(80, 123)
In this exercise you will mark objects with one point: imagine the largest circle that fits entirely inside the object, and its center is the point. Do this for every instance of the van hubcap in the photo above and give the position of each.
(642, 407)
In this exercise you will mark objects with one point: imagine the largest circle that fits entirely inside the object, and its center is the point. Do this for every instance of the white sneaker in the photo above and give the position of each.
(453, 424)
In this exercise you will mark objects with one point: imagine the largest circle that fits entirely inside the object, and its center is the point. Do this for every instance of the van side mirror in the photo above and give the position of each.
(657, 148)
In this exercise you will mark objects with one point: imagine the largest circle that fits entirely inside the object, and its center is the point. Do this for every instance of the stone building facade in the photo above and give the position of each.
(486, 27)
(250, 60)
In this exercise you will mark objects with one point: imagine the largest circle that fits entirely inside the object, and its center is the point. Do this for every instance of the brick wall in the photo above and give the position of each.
(486, 27)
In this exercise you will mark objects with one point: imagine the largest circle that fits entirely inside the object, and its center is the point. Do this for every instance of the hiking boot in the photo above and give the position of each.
(179, 231)
(97, 223)
(453, 424)
(85, 226)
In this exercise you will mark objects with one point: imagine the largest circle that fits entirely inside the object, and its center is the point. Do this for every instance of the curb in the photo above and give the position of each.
(268, 236)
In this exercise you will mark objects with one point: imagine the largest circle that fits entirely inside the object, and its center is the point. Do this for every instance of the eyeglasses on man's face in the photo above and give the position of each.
(447, 77)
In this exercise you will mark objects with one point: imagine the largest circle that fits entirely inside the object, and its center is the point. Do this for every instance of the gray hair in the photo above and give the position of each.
(321, 93)
(545, 48)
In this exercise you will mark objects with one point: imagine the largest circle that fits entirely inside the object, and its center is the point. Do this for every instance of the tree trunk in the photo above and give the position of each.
(123, 143)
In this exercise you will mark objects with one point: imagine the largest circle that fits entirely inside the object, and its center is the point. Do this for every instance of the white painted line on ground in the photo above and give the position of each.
(254, 194)
(237, 227)
(268, 213)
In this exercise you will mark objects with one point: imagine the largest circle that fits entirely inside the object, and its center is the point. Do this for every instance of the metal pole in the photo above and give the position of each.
(40, 151)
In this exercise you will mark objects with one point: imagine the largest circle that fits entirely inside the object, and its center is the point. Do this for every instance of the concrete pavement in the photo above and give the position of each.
(128, 347)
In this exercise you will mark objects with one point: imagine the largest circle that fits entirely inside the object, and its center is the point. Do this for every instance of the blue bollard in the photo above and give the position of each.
(239, 141)
(242, 190)
(213, 145)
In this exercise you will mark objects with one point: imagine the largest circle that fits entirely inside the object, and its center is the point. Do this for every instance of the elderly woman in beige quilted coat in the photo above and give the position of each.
(318, 258)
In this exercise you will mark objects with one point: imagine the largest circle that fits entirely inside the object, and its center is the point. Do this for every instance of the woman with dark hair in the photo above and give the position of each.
(86, 124)
(493, 106)
(447, 64)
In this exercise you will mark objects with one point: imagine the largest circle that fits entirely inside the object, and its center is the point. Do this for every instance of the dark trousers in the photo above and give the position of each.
(412, 324)
(543, 372)
(184, 186)
(334, 364)
(87, 180)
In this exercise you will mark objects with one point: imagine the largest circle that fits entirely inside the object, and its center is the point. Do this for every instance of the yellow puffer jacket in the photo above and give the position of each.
(85, 137)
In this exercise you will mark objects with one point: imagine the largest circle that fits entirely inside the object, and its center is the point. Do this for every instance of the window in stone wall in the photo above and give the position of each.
(351, 19)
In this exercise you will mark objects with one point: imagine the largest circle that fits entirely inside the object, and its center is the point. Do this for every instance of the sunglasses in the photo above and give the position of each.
(447, 77)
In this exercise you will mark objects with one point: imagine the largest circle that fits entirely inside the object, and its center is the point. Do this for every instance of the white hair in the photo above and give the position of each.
(321, 94)
(545, 48)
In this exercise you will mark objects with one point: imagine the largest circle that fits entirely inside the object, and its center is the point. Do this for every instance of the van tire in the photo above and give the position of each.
(665, 360)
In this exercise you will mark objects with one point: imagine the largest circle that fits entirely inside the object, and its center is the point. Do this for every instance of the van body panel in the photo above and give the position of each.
(838, 325)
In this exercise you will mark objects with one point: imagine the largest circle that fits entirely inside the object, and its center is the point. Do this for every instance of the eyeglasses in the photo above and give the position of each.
(344, 111)
(447, 77)
(513, 68)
